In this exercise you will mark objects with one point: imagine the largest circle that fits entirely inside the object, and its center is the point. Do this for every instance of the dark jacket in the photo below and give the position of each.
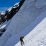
(21, 38)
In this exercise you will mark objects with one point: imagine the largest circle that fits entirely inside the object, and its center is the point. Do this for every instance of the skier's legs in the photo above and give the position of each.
(22, 43)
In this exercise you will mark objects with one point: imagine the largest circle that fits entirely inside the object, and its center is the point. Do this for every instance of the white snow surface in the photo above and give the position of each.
(36, 33)
(3, 26)
(37, 37)
(27, 14)
(17, 3)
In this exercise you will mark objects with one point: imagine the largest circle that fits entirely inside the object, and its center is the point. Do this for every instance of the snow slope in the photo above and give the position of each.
(37, 37)
(30, 31)
(26, 15)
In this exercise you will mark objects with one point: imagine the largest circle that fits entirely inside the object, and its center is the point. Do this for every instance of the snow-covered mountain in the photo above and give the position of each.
(8, 14)
(36, 37)
(28, 15)
(34, 29)
(4, 16)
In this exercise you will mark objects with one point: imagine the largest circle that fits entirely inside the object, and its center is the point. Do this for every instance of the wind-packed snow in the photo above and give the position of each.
(36, 28)
(40, 3)
(25, 16)
(37, 37)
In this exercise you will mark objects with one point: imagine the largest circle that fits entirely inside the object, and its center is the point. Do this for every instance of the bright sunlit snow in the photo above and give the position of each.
(37, 37)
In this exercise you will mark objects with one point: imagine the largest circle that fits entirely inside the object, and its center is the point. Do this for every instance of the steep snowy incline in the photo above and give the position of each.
(26, 15)
(37, 37)
(37, 25)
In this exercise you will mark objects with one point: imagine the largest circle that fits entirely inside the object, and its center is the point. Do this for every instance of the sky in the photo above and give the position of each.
(5, 4)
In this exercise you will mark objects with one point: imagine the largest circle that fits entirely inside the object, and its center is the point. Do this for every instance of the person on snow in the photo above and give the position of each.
(21, 40)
